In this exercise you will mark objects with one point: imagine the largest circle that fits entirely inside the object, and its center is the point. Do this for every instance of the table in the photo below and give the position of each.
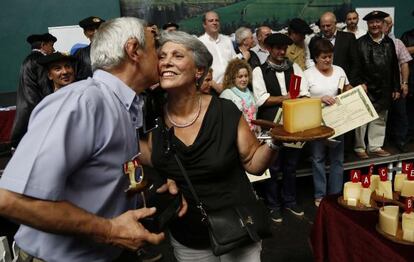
(6, 124)
(339, 234)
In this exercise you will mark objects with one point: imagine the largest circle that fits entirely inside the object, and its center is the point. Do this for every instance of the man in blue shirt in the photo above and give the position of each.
(65, 182)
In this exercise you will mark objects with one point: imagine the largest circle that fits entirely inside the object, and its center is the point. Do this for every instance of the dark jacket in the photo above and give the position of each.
(408, 40)
(379, 70)
(33, 87)
(344, 55)
(83, 66)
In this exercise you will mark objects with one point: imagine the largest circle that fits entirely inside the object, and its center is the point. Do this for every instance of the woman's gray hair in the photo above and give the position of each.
(108, 45)
(241, 34)
(202, 57)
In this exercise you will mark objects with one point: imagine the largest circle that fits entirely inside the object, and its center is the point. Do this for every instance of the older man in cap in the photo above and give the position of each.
(33, 86)
(83, 55)
(270, 88)
(380, 76)
(66, 182)
(59, 69)
(298, 29)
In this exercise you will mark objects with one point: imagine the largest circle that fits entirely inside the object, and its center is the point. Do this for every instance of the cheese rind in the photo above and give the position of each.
(408, 226)
(398, 181)
(407, 188)
(301, 114)
(388, 219)
(352, 191)
(365, 197)
(384, 189)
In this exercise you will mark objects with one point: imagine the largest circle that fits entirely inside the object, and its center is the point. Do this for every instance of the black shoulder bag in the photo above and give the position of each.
(231, 227)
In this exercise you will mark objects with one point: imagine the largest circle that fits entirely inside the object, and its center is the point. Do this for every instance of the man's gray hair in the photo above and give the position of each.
(108, 46)
(241, 34)
(202, 57)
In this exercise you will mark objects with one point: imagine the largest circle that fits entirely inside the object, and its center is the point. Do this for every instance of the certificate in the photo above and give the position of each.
(351, 110)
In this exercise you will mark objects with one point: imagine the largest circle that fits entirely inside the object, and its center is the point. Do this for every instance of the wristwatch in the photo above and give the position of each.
(271, 145)
(404, 83)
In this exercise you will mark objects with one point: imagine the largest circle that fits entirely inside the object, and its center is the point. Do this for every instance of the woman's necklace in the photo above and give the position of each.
(186, 124)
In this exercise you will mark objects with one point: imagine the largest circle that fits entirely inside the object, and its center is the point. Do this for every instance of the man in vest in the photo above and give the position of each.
(270, 87)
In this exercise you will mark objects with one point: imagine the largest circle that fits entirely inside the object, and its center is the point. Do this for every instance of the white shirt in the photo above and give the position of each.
(222, 51)
(358, 33)
(259, 86)
(261, 53)
(321, 85)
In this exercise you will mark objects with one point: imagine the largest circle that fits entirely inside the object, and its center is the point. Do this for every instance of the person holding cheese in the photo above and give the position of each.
(323, 81)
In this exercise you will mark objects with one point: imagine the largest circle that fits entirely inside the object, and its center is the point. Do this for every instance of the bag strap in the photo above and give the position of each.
(190, 185)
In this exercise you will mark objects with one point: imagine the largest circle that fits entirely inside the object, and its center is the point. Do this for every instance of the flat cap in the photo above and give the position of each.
(55, 57)
(298, 25)
(91, 22)
(277, 39)
(41, 38)
(375, 15)
(170, 24)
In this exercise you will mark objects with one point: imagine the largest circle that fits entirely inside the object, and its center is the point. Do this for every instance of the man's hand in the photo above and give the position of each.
(395, 95)
(127, 232)
(173, 189)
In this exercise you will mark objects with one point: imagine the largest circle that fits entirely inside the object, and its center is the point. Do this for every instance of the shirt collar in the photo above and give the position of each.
(379, 40)
(333, 36)
(212, 39)
(124, 93)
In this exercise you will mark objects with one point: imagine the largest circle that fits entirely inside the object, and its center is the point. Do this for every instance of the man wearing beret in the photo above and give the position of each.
(83, 55)
(33, 86)
(170, 26)
(270, 87)
(59, 69)
(380, 78)
(297, 31)
(344, 47)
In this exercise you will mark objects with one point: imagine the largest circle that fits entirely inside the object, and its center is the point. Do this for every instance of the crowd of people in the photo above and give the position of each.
(77, 120)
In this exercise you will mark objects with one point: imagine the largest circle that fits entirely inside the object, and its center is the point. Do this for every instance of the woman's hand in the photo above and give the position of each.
(173, 190)
(329, 100)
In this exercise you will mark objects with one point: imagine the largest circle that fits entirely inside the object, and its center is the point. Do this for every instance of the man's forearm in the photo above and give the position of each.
(59, 217)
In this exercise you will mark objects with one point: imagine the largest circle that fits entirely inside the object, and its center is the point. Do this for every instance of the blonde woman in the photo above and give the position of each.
(237, 78)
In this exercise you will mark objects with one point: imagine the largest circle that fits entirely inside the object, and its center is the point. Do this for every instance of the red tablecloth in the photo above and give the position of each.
(6, 124)
(339, 234)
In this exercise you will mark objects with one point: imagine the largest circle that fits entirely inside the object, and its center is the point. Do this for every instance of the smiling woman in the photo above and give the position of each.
(214, 143)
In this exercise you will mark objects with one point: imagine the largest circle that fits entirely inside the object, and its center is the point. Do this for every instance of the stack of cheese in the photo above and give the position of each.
(355, 192)
(301, 114)
(389, 220)
(403, 185)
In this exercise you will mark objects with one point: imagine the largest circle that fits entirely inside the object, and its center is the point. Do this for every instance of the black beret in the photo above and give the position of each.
(55, 57)
(375, 15)
(298, 25)
(277, 40)
(170, 24)
(91, 22)
(41, 38)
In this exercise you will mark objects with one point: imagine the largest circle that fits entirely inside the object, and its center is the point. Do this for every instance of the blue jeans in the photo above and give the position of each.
(319, 149)
(277, 194)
